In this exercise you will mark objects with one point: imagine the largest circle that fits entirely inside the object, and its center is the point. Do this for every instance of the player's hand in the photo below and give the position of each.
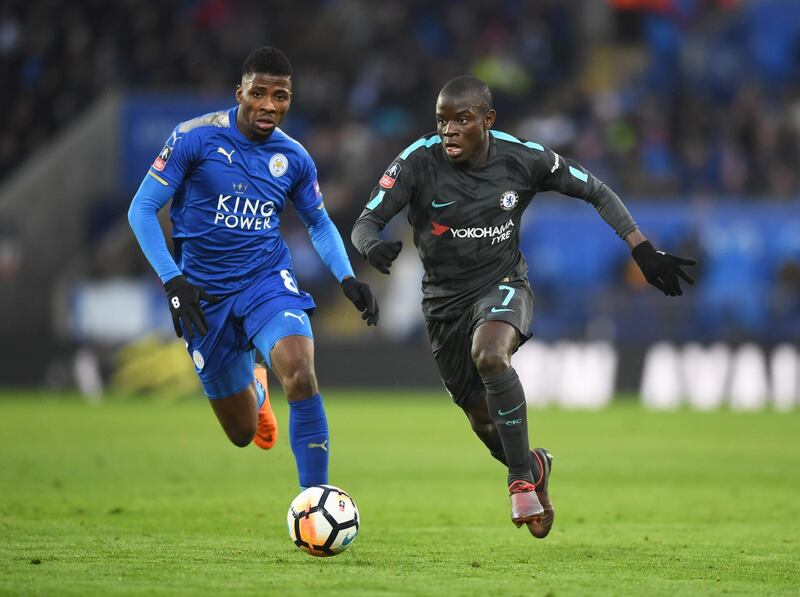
(361, 296)
(660, 269)
(184, 305)
(381, 255)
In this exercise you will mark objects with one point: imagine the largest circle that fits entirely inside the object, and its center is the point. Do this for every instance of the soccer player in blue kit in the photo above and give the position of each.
(230, 286)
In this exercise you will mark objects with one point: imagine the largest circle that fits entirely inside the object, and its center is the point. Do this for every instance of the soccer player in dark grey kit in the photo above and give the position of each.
(465, 188)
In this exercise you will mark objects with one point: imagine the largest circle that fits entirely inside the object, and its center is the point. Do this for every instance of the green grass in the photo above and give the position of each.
(147, 497)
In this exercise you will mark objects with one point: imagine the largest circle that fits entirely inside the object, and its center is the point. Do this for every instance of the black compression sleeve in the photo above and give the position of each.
(612, 210)
(366, 231)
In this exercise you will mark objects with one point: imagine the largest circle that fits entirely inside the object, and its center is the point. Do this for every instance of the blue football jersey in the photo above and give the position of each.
(229, 196)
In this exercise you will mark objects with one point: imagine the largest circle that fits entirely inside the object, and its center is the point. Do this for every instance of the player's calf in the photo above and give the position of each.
(293, 362)
(505, 399)
(237, 414)
(240, 437)
(492, 345)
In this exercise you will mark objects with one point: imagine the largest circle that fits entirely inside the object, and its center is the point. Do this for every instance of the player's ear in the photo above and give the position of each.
(239, 93)
(488, 119)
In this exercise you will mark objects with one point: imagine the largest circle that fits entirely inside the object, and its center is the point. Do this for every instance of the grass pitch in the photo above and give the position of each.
(147, 497)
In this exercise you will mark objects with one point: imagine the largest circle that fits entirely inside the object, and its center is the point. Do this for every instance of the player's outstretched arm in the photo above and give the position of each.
(328, 244)
(393, 192)
(379, 253)
(143, 219)
(184, 297)
(660, 269)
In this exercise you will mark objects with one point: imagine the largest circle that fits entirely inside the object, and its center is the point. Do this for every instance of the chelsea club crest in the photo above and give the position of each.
(509, 200)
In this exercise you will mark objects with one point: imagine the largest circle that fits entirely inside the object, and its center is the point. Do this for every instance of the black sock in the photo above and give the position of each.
(507, 408)
(498, 454)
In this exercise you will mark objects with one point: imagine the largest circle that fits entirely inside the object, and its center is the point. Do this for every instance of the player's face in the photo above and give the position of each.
(463, 128)
(263, 102)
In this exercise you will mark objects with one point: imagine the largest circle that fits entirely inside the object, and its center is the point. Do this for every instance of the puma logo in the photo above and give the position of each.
(298, 317)
(226, 154)
(323, 445)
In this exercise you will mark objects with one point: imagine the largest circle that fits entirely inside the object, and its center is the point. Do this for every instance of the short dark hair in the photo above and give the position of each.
(471, 86)
(267, 60)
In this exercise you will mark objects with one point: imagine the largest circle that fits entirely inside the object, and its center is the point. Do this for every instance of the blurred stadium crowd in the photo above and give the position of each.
(657, 97)
(694, 101)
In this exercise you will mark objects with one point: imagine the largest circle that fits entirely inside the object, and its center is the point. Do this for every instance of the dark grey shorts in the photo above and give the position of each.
(451, 340)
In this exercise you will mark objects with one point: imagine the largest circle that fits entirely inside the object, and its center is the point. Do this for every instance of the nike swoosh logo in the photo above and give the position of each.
(435, 204)
(348, 540)
(496, 310)
(508, 412)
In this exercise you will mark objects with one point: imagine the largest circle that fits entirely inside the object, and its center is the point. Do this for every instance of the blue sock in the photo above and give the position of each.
(308, 434)
(261, 395)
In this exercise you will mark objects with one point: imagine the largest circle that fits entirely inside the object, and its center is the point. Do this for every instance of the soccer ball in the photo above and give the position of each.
(323, 520)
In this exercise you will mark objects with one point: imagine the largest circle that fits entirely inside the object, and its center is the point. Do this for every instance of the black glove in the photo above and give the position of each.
(184, 305)
(662, 269)
(361, 296)
(381, 255)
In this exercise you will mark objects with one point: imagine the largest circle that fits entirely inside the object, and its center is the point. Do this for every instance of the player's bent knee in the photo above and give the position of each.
(301, 383)
(490, 362)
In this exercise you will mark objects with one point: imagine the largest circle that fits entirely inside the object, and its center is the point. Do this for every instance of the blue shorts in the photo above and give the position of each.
(224, 357)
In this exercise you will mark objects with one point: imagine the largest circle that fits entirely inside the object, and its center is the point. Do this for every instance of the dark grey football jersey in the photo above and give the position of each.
(466, 221)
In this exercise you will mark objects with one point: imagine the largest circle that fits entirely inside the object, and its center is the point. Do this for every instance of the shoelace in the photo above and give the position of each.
(520, 487)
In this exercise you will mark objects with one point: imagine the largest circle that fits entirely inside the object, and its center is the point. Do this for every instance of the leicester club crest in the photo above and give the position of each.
(278, 164)
(509, 200)
(198, 359)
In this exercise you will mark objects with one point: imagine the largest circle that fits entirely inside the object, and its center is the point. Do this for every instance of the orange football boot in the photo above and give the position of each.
(267, 431)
